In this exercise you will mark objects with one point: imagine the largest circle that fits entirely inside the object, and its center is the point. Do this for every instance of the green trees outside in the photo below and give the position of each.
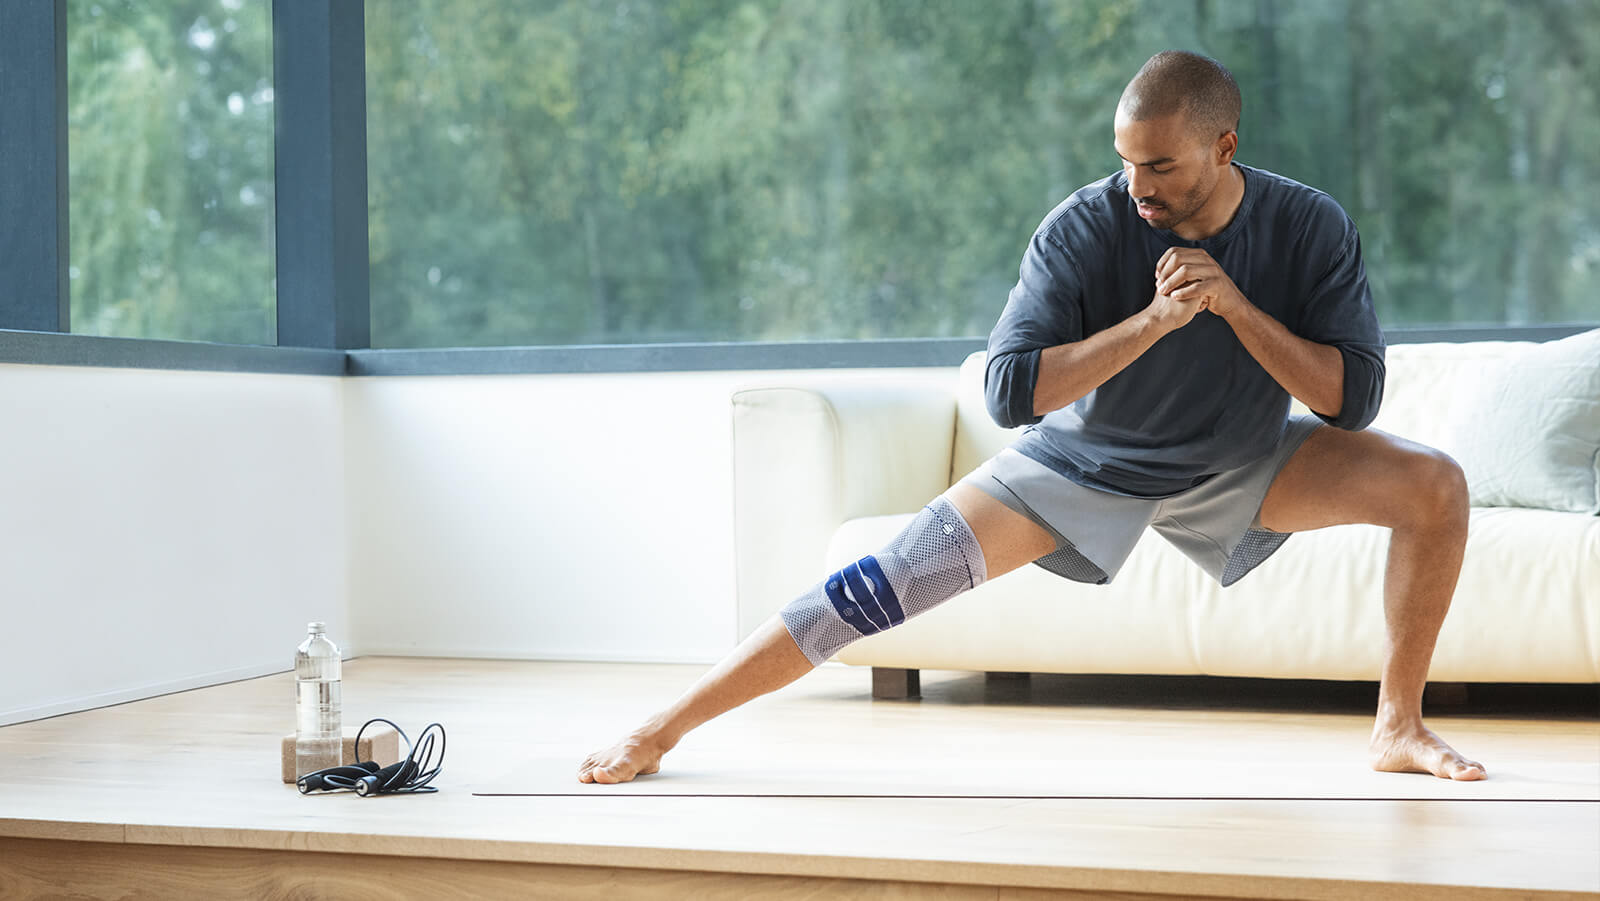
(609, 171)
(169, 118)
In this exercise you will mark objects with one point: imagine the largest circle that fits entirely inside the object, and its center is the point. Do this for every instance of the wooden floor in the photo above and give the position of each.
(179, 796)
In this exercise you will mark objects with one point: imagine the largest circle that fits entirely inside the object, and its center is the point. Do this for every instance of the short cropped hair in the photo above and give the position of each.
(1179, 81)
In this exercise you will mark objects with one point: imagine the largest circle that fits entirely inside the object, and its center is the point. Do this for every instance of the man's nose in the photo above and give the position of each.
(1138, 186)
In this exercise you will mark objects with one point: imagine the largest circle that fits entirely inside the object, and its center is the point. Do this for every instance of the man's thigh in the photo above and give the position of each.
(1008, 538)
(1337, 477)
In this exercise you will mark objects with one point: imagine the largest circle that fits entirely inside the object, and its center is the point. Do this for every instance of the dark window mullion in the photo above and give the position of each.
(319, 102)
(33, 166)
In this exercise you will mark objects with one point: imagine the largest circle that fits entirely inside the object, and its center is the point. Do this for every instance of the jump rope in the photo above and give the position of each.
(410, 775)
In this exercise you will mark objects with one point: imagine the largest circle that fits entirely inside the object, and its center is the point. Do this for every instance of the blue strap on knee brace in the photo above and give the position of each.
(934, 558)
(868, 608)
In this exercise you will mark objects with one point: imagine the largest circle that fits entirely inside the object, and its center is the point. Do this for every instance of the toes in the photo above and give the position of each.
(618, 764)
(1453, 766)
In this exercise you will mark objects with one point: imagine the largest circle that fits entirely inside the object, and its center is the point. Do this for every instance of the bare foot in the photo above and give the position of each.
(637, 755)
(1415, 749)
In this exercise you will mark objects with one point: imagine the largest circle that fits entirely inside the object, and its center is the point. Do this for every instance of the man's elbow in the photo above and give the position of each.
(1361, 396)
(1330, 408)
(1008, 382)
(1358, 420)
(1005, 414)
(997, 401)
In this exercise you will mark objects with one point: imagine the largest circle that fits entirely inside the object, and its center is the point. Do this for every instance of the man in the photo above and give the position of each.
(1162, 319)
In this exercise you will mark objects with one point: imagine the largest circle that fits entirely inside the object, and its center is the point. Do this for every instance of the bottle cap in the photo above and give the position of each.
(317, 628)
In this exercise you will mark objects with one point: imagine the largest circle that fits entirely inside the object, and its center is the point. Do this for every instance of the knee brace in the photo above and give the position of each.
(932, 560)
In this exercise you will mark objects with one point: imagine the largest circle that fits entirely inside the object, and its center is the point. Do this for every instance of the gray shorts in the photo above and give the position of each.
(1217, 525)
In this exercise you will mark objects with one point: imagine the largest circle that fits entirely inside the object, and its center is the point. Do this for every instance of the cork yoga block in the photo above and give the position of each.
(380, 744)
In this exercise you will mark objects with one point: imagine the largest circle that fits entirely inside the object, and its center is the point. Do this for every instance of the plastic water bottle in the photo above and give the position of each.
(319, 735)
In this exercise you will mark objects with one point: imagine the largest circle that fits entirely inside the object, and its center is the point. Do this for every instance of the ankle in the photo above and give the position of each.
(658, 731)
(1394, 718)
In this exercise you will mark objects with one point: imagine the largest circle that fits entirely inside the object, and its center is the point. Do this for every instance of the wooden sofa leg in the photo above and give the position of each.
(893, 684)
(997, 676)
(1445, 694)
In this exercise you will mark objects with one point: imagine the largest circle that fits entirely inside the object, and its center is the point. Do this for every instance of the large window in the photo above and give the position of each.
(578, 171)
(170, 156)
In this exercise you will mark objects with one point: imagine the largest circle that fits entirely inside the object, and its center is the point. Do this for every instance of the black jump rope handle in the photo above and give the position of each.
(365, 777)
(373, 784)
(317, 781)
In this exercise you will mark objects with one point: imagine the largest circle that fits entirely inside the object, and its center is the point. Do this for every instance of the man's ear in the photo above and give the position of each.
(1226, 146)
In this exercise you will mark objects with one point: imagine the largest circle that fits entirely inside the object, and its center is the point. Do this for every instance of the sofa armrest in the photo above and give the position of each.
(807, 458)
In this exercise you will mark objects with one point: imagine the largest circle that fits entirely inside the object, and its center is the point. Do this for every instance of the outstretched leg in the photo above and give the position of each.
(771, 657)
(1341, 477)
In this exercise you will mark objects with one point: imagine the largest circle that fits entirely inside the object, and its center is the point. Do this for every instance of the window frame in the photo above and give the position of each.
(321, 264)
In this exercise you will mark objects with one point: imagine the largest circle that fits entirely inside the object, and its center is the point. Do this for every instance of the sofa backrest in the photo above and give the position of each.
(1422, 382)
(977, 436)
(1425, 381)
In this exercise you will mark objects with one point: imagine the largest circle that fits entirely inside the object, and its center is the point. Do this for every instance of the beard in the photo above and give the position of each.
(1170, 214)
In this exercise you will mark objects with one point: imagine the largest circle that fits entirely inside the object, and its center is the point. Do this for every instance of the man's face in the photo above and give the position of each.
(1171, 170)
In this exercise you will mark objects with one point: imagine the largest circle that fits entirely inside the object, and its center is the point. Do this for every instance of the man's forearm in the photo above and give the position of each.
(1068, 372)
(1312, 372)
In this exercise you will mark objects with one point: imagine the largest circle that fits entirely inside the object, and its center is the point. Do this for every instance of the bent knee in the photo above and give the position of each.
(1436, 488)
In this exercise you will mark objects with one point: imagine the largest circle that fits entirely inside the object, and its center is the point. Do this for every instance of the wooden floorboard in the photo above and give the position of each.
(177, 788)
(31, 868)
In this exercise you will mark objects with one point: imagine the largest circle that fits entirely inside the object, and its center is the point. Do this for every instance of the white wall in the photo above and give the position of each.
(162, 530)
(573, 517)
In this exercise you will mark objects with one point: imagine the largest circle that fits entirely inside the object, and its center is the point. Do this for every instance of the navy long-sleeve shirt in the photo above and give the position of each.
(1196, 403)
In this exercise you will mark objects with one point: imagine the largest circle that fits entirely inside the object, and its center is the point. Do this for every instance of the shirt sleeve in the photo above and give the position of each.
(1339, 313)
(1044, 310)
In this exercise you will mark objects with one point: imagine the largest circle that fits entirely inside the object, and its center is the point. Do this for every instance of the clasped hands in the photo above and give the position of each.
(1189, 275)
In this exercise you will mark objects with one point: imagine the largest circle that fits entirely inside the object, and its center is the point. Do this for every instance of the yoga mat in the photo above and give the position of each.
(728, 772)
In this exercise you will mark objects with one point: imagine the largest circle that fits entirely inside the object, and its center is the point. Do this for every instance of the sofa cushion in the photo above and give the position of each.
(1423, 379)
(1524, 610)
(1526, 429)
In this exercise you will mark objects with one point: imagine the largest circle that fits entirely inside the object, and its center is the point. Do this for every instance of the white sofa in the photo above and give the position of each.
(829, 469)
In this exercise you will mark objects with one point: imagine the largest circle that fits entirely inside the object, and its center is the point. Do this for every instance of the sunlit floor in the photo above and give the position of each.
(168, 788)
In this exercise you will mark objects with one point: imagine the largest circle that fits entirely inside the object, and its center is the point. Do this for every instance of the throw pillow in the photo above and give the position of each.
(1527, 434)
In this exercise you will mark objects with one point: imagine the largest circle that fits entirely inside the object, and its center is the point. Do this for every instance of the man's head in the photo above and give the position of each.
(1176, 131)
